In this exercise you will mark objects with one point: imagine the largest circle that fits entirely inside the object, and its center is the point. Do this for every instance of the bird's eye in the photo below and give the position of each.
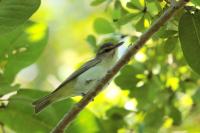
(107, 50)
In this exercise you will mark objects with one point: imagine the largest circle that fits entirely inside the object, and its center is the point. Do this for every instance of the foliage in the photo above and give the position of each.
(189, 23)
(165, 90)
(15, 12)
(19, 108)
(24, 45)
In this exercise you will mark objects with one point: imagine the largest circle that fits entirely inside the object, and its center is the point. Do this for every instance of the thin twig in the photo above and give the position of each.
(132, 50)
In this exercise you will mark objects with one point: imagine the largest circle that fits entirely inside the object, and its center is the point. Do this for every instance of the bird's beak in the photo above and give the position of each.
(117, 45)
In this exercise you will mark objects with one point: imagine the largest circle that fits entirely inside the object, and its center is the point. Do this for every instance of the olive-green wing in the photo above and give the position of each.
(78, 72)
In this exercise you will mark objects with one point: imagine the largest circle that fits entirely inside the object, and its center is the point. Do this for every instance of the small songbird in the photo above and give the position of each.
(83, 79)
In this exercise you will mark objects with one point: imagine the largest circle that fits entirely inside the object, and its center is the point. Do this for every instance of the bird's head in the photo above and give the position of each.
(108, 49)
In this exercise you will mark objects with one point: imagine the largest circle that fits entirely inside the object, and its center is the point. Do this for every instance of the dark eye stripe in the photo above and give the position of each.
(108, 49)
(105, 50)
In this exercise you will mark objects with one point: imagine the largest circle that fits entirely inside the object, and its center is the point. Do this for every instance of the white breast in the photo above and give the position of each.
(91, 76)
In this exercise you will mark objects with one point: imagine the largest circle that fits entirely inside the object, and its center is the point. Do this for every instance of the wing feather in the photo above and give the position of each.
(78, 72)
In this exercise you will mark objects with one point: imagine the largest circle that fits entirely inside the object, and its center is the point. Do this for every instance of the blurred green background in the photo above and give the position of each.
(155, 92)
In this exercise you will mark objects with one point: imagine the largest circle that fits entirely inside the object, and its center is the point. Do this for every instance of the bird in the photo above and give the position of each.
(84, 79)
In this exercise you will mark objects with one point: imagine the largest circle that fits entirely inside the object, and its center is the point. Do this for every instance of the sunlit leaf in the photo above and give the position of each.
(97, 2)
(138, 4)
(4, 89)
(127, 78)
(92, 42)
(168, 123)
(116, 14)
(140, 24)
(143, 23)
(21, 48)
(132, 6)
(103, 26)
(152, 7)
(15, 12)
(189, 34)
(146, 94)
(196, 2)
(126, 19)
(173, 83)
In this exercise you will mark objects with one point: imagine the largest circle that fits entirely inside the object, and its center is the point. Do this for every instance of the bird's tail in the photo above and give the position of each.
(41, 103)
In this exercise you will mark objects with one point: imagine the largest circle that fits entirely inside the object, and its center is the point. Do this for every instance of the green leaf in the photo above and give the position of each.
(97, 2)
(189, 34)
(153, 119)
(127, 78)
(152, 8)
(170, 44)
(143, 23)
(146, 95)
(20, 48)
(115, 119)
(116, 14)
(92, 41)
(103, 26)
(196, 96)
(117, 4)
(137, 4)
(109, 40)
(126, 19)
(139, 26)
(20, 110)
(196, 2)
(86, 121)
(15, 12)
(164, 33)
(4, 89)
(175, 114)
(116, 113)
(168, 33)
(134, 38)
(132, 6)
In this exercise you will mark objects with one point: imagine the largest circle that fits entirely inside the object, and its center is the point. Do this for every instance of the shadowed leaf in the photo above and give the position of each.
(189, 33)
(15, 12)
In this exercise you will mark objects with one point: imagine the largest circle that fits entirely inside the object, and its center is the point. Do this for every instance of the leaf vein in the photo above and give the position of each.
(196, 30)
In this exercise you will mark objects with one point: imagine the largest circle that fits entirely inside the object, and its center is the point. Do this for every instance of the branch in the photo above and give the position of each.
(131, 51)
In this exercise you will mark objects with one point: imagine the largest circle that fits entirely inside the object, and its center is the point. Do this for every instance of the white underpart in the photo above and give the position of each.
(94, 74)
